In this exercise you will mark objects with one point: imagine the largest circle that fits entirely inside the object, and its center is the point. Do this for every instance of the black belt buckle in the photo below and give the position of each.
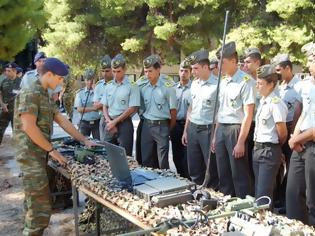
(181, 122)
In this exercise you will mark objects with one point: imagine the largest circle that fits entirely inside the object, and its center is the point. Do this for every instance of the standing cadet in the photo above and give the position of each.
(293, 101)
(33, 118)
(252, 62)
(235, 115)
(106, 76)
(214, 67)
(90, 117)
(183, 100)
(270, 133)
(199, 120)
(120, 100)
(9, 88)
(159, 99)
(300, 192)
(142, 81)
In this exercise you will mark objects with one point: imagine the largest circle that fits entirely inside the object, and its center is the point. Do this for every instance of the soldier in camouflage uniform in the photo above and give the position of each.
(9, 87)
(68, 94)
(33, 120)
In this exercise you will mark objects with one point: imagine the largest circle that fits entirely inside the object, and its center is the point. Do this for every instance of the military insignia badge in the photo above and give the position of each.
(275, 100)
(264, 121)
(123, 102)
(246, 78)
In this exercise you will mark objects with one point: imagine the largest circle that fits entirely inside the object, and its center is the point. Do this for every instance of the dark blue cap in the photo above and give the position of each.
(56, 66)
(39, 55)
(11, 65)
(19, 69)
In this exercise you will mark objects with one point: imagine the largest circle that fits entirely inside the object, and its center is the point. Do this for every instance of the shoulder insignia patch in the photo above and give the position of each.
(275, 100)
(168, 84)
(246, 78)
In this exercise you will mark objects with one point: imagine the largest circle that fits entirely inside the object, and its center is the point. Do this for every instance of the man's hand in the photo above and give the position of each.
(239, 150)
(212, 148)
(4, 107)
(184, 138)
(110, 125)
(58, 157)
(90, 143)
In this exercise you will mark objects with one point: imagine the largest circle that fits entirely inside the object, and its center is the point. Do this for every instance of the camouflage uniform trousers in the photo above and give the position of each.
(68, 101)
(33, 165)
(5, 119)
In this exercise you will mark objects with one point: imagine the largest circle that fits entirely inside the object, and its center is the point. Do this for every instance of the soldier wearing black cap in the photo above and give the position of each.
(235, 115)
(199, 119)
(159, 112)
(270, 133)
(9, 88)
(83, 103)
(300, 192)
(183, 100)
(106, 76)
(33, 121)
(120, 100)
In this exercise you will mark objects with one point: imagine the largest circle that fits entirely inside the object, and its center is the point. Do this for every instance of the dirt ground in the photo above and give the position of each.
(11, 199)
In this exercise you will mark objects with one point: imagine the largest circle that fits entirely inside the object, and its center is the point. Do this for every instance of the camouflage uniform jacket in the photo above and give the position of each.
(34, 100)
(9, 89)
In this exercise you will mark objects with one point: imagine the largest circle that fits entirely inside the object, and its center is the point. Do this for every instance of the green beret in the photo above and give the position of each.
(198, 56)
(185, 64)
(89, 74)
(118, 61)
(106, 62)
(265, 71)
(280, 58)
(228, 50)
(251, 51)
(309, 49)
(151, 60)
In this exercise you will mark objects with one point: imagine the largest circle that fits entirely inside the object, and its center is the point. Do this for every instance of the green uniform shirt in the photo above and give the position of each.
(34, 100)
(9, 88)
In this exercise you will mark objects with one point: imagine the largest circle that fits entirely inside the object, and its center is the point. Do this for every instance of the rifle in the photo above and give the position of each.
(207, 174)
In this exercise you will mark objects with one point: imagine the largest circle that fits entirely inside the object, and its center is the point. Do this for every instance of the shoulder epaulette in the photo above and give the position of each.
(98, 82)
(275, 100)
(246, 78)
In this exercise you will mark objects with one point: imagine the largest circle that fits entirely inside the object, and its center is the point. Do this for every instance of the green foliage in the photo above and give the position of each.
(81, 31)
(19, 23)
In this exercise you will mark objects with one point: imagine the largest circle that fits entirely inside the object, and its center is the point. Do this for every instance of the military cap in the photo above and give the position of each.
(39, 55)
(11, 65)
(19, 69)
(106, 62)
(309, 49)
(89, 74)
(151, 60)
(118, 61)
(228, 50)
(213, 63)
(265, 71)
(185, 64)
(251, 51)
(280, 58)
(56, 66)
(198, 56)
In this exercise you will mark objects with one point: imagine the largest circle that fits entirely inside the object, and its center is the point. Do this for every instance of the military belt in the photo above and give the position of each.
(157, 122)
(200, 126)
(263, 145)
(90, 122)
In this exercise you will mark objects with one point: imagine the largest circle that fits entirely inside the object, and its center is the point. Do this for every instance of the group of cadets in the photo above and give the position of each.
(264, 120)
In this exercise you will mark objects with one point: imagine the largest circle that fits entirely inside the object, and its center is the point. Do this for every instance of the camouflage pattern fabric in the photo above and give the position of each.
(7, 87)
(32, 159)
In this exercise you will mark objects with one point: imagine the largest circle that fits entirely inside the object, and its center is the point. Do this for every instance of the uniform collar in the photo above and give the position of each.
(237, 77)
(86, 90)
(292, 82)
(124, 81)
(267, 99)
(186, 85)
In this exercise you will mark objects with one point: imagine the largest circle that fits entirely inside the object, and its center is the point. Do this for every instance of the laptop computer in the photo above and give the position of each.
(117, 158)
